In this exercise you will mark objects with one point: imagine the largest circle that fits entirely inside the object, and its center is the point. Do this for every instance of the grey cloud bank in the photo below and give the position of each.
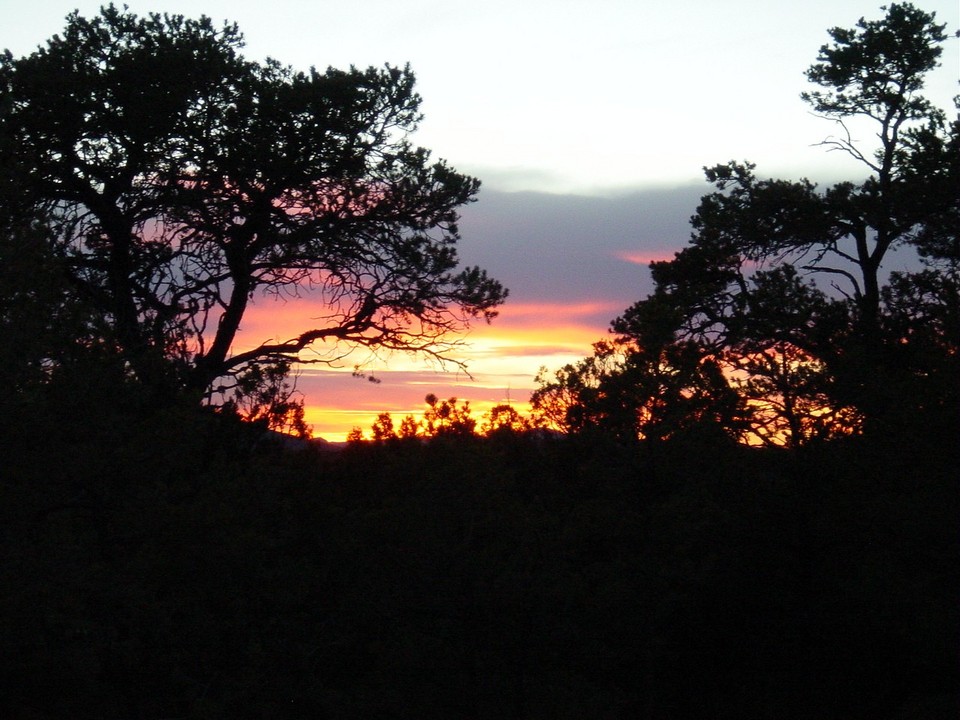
(571, 248)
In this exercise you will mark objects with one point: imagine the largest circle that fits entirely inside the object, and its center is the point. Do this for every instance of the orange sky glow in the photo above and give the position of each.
(502, 360)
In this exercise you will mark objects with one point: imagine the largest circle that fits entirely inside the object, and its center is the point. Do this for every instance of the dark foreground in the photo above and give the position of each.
(165, 568)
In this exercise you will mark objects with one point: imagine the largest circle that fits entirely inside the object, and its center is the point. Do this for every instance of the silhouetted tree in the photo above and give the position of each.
(872, 74)
(409, 428)
(183, 182)
(630, 392)
(447, 418)
(382, 429)
(442, 418)
(503, 418)
(265, 394)
(744, 297)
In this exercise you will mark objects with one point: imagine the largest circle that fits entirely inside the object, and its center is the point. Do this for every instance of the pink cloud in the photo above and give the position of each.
(639, 258)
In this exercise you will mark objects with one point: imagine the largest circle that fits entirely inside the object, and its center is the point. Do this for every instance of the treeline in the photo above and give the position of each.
(450, 418)
(175, 566)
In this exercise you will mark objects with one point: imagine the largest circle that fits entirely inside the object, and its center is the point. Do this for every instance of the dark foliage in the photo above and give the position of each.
(178, 183)
(174, 565)
(777, 323)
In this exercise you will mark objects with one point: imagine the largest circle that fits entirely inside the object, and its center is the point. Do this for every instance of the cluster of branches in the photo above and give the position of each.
(450, 418)
(776, 324)
(172, 182)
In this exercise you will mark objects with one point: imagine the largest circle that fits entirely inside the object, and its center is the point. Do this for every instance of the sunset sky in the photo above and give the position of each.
(588, 121)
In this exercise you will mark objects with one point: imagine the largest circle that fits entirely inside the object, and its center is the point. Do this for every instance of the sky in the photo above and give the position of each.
(589, 123)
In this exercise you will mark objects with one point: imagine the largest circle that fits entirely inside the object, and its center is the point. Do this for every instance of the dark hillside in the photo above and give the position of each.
(166, 569)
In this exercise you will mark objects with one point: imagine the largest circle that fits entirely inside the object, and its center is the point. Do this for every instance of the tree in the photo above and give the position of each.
(447, 418)
(629, 392)
(750, 289)
(264, 394)
(503, 419)
(766, 332)
(780, 293)
(876, 72)
(184, 182)
(382, 429)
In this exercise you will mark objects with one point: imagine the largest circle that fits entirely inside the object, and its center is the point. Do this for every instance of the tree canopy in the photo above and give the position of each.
(177, 182)
(783, 286)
